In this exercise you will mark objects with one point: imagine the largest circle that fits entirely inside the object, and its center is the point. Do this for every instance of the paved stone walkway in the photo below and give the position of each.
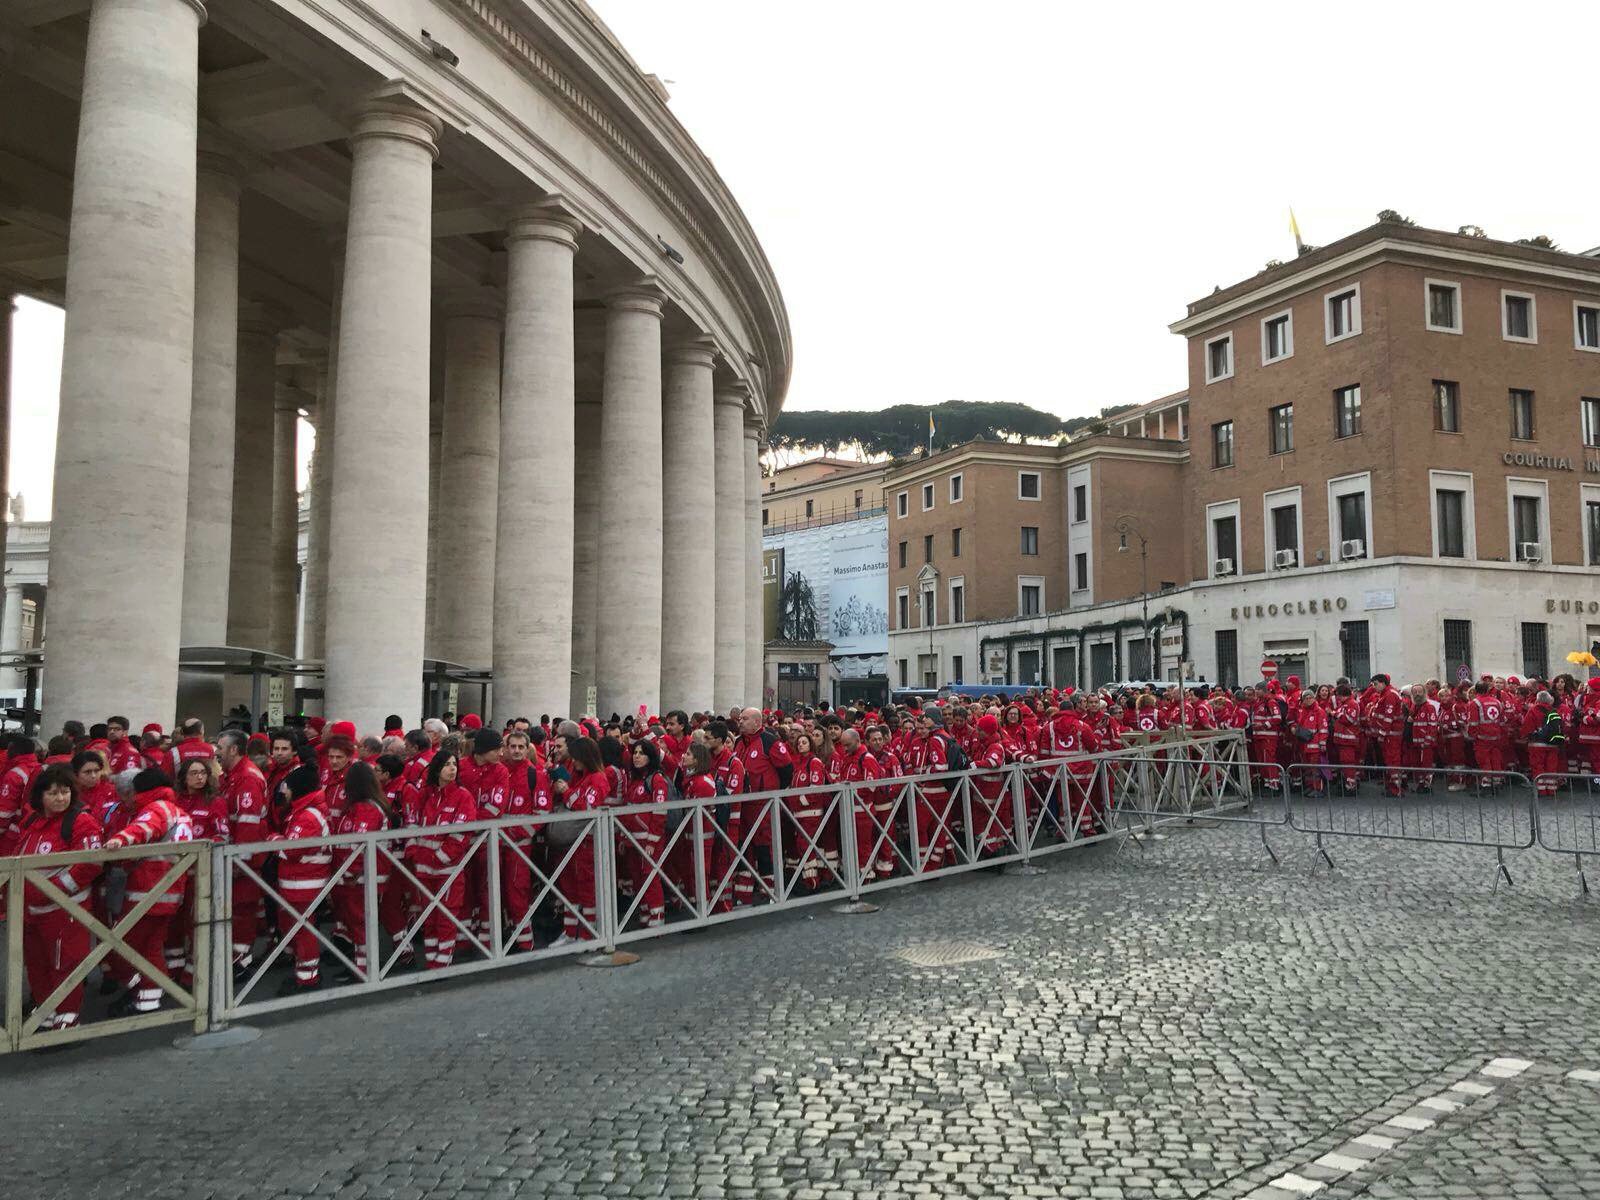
(1185, 1022)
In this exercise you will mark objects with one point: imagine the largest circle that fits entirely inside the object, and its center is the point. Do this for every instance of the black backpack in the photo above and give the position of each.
(1550, 732)
(954, 754)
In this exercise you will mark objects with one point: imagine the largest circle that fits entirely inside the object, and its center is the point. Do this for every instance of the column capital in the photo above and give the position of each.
(752, 432)
(550, 219)
(698, 351)
(643, 295)
(484, 303)
(393, 114)
(735, 394)
(199, 10)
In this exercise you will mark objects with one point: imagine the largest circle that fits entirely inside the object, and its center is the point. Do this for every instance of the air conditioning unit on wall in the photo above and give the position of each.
(1530, 552)
(1353, 548)
(1222, 566)
(1284, 558)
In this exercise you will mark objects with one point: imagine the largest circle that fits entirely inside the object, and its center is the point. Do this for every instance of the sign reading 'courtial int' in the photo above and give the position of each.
(1548, 462)
(1289, 608)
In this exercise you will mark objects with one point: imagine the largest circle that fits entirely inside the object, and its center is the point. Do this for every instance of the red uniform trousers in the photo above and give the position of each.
(246, 917)
(350, 908)
(1392, 750)
(1546, 763)
(1424, 756)
(439, 932)
(1348, 756)
(756, 820)
(643, 858)
(991, 812)
(933, 835)
(149, 938)
(516, 892)
(1455, 757)
(576, 884)
(1589, 752)
(803, 838)
(52, 945)
(305, 947)
(1491, 759)
(1264, 749)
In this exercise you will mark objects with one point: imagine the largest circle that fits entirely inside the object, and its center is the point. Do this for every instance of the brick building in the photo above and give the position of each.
(1389, 455)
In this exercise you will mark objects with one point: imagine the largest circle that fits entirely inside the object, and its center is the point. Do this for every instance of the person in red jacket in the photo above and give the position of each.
(1068, 736)
(930, 756)
(486, 777)
(1427, 722)
(149, 815)
(1387, 719)
(95, 790)
(700, 783)
(367, 810)
(191, 745)
(764, 764)
(803, 853)
(851, 763)
(885, 798)
(991, 787)
(646, 784)
(54, 941)
(439, 858)
(1344, 737)
(1587, 720)
(336, 752)
(588, 791)
(208, 817)
(302, 874)
(1454, 708)
(242, 795)
(1311, 718)
(1545, 734)
(121, 752)
(22, 764)
(528, 794)
(1486, 731)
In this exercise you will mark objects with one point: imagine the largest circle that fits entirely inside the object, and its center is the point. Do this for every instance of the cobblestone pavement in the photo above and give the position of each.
(1183, 1022)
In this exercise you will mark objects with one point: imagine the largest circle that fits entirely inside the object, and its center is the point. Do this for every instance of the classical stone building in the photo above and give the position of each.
(471, 242)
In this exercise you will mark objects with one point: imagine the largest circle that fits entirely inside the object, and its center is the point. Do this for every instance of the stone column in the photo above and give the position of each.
(469, 466)
(628, 646)
(7, 308)
(122, 442)
(321, 481)
(689, 505)
(534, 547)
(250, 557)
(754, 643)
(377, 578)
(585, 552)
(11, 637)
(728, 540)
(285, 515)
(207, 549)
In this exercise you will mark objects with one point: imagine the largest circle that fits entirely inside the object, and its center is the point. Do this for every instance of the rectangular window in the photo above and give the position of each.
(1228, 657)
(1102, 664)
(1591, 530)
(1080, 503)
(1444, 307)
(1222, 444)
(955, 543)
(958, 603)
(1521, 414)
(1451, 512)
(1139, 658)
(1027, 485)
(1446, 406)
(859, 495)
(927, 547)
(1277, 338)
(1586, 326)
(1353, 522)
(902, 504)
(904, 604)
(1030, 539)
(810, 508)
(1347, 411)
(1590, 409)
(903, 546)
(763, 516)
(1519, 321)
(928, 613)
(1457, 647)
(1030, 599)
(1219, 358)
(905, 676)
(955, 668)
(1356, 647)
(1225, 539)
(1343, 313)
(927, 496)
(1281, 428)
(1525, 523)
(1286, 534)
(1535, 650)
(957, 483)
(1080, 572)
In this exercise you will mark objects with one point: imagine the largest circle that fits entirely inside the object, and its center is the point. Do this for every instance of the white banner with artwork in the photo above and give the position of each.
(858, 590)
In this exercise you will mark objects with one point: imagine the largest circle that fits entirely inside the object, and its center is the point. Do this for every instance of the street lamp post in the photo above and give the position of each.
(1124, 527)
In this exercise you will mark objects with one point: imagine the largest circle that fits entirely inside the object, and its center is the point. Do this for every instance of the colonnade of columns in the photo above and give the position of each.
(609, 548)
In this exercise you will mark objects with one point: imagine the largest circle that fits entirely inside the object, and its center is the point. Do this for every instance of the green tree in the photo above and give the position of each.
(902, 429)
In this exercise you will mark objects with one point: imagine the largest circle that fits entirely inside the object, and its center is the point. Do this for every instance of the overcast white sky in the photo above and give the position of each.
(1011, 200)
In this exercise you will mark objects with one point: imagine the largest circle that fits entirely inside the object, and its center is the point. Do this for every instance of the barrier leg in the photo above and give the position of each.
(1500, 871)
(849, 857)
(1023, 829)
(605, 889)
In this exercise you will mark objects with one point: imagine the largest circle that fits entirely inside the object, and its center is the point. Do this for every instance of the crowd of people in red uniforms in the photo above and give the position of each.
(100, 787)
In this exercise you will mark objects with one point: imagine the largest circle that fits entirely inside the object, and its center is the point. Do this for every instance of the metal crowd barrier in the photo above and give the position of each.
(1568, 808)
(372, 925)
